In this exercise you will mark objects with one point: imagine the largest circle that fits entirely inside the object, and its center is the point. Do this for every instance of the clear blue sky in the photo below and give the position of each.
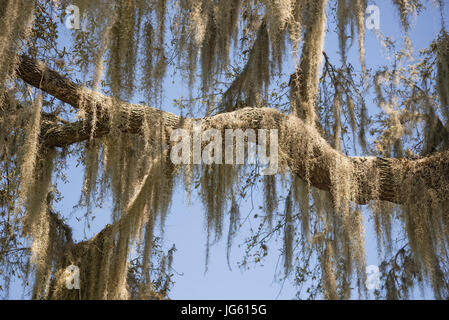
(185, 224)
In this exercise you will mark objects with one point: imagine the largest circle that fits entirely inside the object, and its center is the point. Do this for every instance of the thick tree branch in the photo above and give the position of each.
(304, 151)
(37, 74)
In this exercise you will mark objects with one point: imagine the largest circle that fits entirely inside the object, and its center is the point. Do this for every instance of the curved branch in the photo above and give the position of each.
(302, 148)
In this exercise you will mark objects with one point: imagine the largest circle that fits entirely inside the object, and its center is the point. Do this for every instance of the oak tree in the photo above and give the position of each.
(66, 95)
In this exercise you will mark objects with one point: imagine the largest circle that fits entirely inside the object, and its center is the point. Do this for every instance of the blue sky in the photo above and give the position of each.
(185, 224)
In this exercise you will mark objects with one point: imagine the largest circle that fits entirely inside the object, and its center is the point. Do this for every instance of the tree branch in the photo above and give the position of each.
(296, 138)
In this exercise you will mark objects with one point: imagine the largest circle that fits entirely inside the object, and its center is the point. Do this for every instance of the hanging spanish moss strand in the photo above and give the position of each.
(279, 13)
(234, 220)
(288, 233)
(30, 151)
(122, 56)
(359, 11)
(407, 9)
(344, 17)
(443, 72)
(251, 85)
(38, 224)
(351, 13)
(304, 87)
(15, 22)
(270, 196)
(329, 281)
(301, 196)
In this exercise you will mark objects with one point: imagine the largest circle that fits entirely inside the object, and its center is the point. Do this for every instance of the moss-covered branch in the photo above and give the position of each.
(302, 149)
